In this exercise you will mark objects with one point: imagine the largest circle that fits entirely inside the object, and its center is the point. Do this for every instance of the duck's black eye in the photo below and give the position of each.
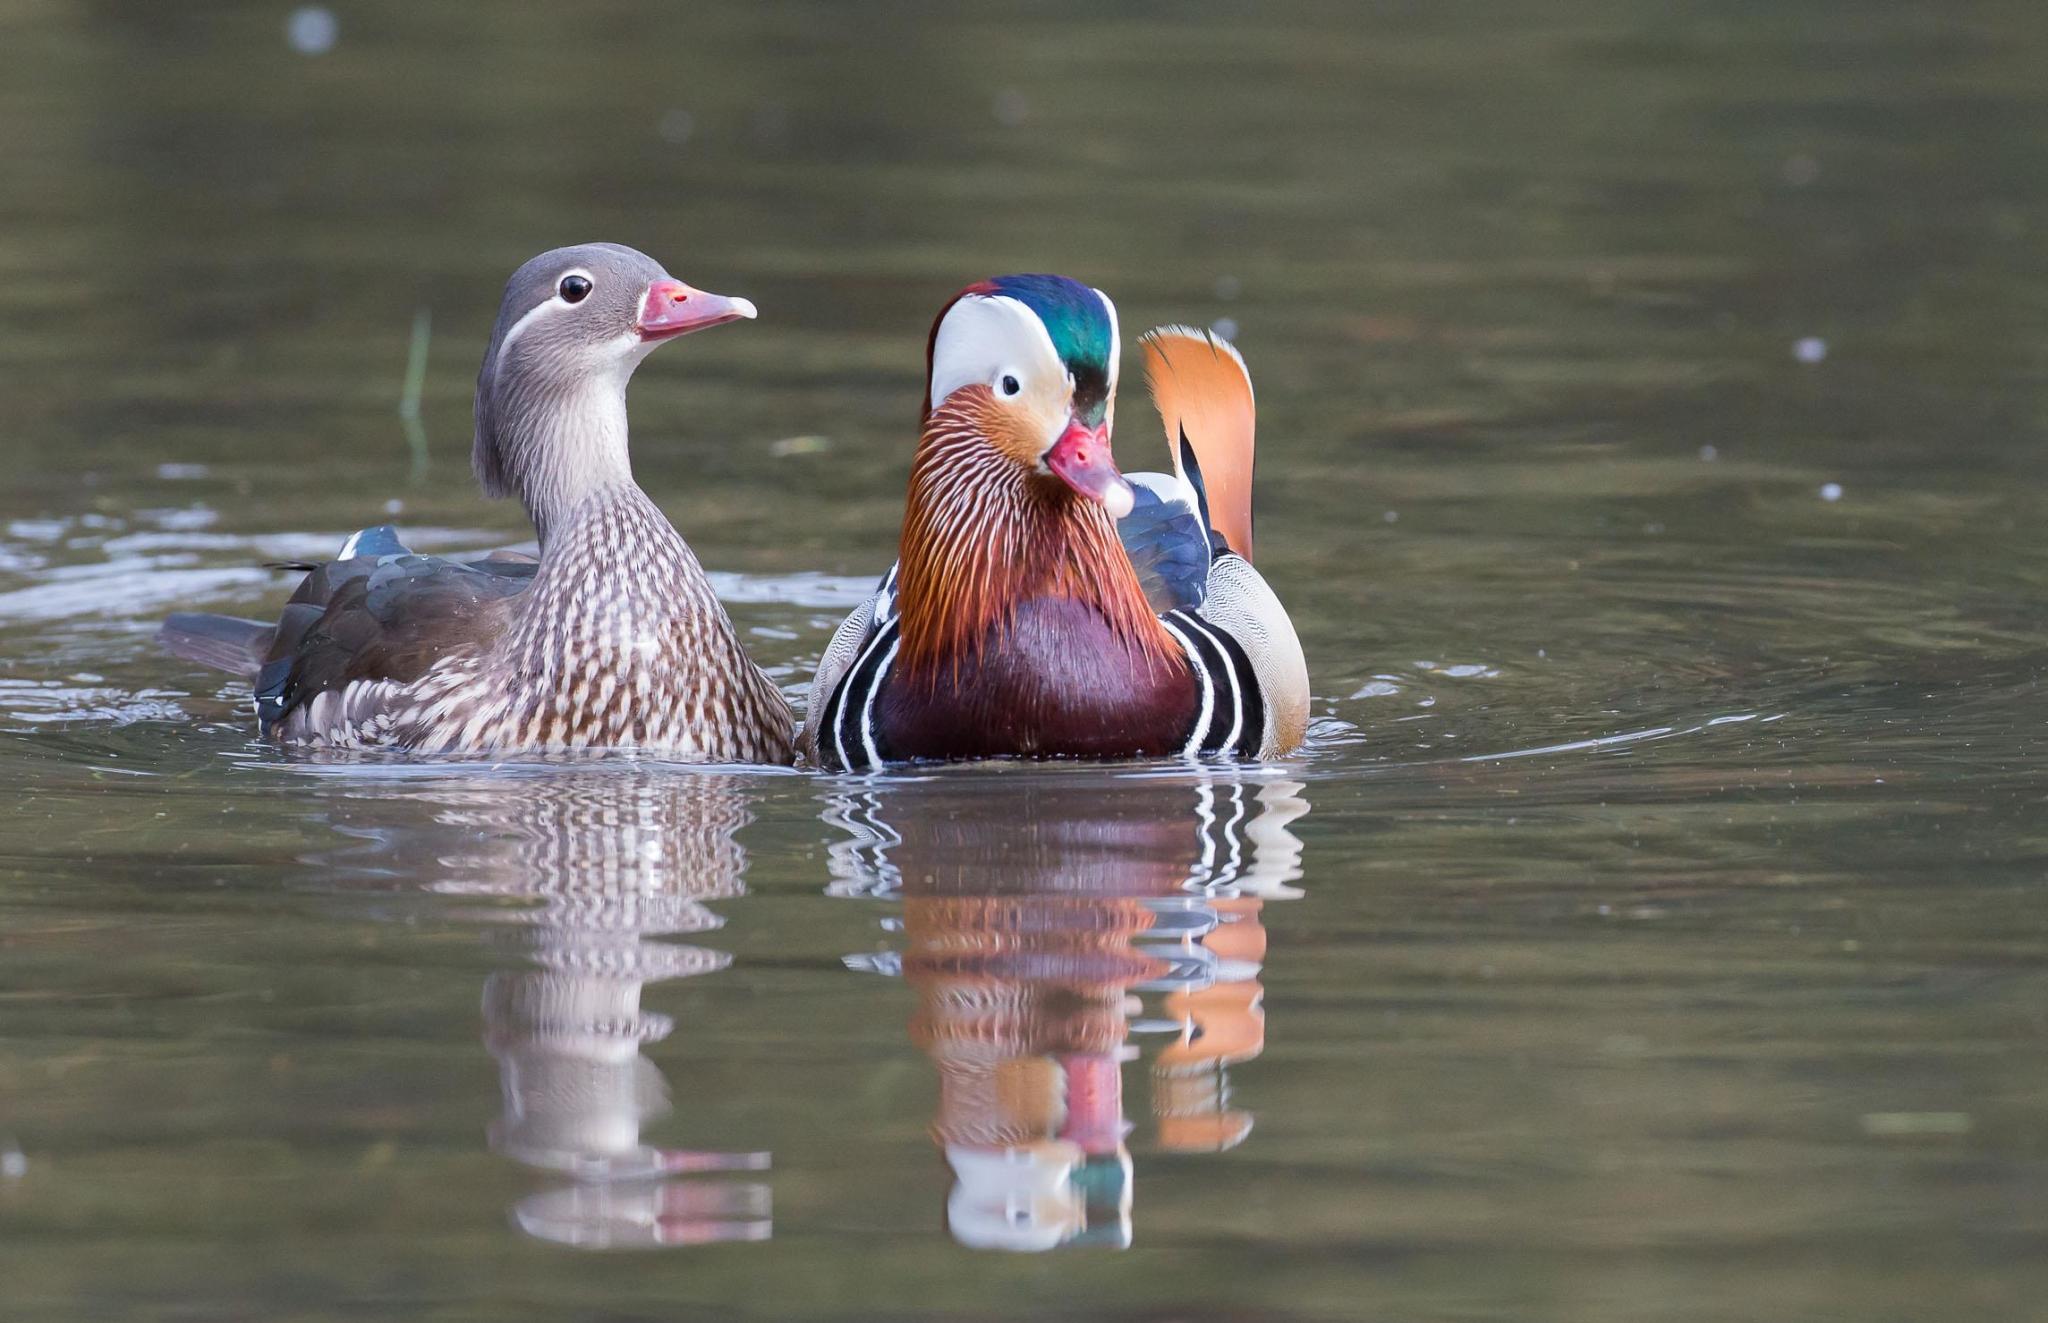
(1010, 385)
(574, 289)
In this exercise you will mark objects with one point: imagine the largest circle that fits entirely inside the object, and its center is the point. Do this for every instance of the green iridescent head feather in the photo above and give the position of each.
(1082, 325)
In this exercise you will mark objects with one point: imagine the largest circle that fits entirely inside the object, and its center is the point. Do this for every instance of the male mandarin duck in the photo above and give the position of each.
(612, 638)
(1043, 605)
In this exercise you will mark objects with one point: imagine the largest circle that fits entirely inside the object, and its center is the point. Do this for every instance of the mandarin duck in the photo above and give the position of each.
(1044, 605)
(612, 637)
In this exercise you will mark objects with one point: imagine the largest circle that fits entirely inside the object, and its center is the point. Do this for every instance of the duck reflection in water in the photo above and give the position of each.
(609, 860)
(1046, 928)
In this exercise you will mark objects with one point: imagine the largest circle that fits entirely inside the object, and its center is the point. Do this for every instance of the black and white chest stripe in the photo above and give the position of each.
(846, 738)
(1232, 715)
(846, 735)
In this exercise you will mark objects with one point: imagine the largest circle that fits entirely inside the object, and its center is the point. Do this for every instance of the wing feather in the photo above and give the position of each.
(391, 618)
(1168, 541)
(1204, 395)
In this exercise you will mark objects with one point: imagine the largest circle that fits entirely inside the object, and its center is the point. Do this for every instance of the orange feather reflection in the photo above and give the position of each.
(1053, 934)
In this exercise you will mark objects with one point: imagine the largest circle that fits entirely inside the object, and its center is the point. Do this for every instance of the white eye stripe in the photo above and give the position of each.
(985, 336)
(1116, 342)
(549, 306)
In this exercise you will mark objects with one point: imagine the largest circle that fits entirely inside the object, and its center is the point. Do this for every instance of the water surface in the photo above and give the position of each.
(1654, 928)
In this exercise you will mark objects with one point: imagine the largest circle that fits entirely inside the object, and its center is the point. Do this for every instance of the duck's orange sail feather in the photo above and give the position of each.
(1205, 395)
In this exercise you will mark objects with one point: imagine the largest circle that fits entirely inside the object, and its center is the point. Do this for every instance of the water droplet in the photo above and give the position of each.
(1810, 349)
(1011, 109)
(1831, 491)
(312, 29)
(1708, 454)
(676, 126)
(1226, 327)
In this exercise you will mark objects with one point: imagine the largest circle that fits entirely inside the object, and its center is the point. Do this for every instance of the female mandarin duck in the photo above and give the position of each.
(1043, 606)
(613, 638)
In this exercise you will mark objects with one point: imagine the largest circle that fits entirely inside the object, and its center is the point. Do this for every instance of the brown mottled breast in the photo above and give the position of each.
(1056, 682)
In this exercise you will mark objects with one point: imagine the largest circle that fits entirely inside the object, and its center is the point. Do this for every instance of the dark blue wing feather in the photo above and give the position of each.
(1168, 542)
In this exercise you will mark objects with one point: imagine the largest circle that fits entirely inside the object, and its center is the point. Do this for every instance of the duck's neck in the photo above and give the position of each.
(616, 580)
(982, 536)
(568, 449)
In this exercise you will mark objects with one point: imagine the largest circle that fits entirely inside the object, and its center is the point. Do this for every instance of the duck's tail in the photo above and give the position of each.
(1204, 396)
(222, 642)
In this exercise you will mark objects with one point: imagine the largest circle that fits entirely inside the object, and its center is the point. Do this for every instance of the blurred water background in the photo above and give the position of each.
(1651, 407)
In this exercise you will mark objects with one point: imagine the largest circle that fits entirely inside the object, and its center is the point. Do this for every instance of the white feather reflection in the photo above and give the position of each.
(612, 861)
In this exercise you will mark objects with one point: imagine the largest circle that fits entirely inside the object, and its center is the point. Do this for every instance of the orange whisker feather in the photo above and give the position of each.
(982, 534)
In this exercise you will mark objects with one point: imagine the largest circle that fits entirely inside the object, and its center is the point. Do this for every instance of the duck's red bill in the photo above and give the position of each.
(1082, 459)
(672, 308)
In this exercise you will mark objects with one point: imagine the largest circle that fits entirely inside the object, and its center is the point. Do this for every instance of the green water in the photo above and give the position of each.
(1654, 928)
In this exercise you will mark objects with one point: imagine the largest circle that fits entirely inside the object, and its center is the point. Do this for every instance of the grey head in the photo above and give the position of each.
(550, 397)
